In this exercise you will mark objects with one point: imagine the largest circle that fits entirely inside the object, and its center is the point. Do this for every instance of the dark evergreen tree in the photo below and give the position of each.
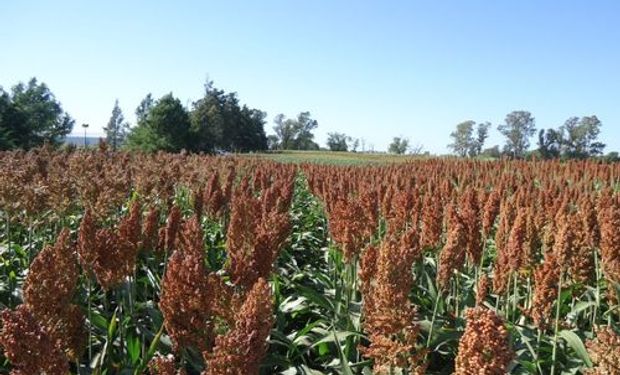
(117, 129)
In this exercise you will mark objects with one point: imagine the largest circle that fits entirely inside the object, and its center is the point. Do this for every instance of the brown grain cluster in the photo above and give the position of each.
(213, 198)
(389, 317)
(150, 230)
(185, 300)
(490, 212)
(110, 254)
(610, 240)
(469, 212)
(546, 279)
(482, 290)
(169, 233)
(29, 346)
(484, 348)
(48, 292)
(452, 256)
(242, 349)
(259, 227)
(165, 365)
(604, 351)
(431, 220)
(347, 227)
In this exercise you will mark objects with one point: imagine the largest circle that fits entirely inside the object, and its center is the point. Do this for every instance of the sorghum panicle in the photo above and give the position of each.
(242, 349)
(171, 230)
(431, 220)
(546, 279)
(52, 278)
(150, 230)
(87, 241)
(490, 212)
(256, 233)
(185, 300)
(452, 256)
(482, 290)
(610, 241)
(604, 351)
(28, 345)
(164, 365)
(48, 291)
(389, 317)
(484, 348)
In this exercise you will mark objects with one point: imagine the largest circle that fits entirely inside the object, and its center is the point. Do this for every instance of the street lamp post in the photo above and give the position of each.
(85, 126)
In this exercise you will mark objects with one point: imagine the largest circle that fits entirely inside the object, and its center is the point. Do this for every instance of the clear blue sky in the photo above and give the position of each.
(371, 69)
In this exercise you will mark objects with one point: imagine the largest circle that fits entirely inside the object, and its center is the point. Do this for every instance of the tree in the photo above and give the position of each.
(31, 116)
(272, 142)
(164, 127)
(337, 141)
(220, 122)
(464, 143)
(117, 129)
(304, 126)
(7, 121)
(482, 133)
(491, 152)
(520, 126)
(611, 157)
(398, 146)
(296, 134)
(579, 137)
(285, 133)
(144, 108)
(549, 143)
(462, 138)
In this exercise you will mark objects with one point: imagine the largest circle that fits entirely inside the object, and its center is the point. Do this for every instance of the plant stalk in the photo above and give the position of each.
(557, 325)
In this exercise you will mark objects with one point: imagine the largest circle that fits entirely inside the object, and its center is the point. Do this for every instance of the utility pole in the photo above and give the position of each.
(85, 126)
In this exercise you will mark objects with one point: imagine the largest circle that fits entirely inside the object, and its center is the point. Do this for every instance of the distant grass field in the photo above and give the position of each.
(332, 157)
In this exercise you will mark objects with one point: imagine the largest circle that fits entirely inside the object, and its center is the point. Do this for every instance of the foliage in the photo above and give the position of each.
(117, 128)
(464, 143)
(518, 128)
(219, 122)
(31, 116)
(398, 146)
(295, 134)
(216, 122)
(165, 126)
(577, 138)
(549, 143)
(338, 141)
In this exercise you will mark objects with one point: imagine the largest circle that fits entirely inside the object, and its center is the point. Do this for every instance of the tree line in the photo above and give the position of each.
(576, 138)
(30, 116)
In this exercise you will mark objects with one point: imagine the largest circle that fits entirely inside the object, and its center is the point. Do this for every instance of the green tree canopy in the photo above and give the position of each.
(296, 134)
(519, 127)
(218, 121)
(549, 143)
(398, 146)
(31, 116)
(117, 128)
(164, 126)
(338, 141)
(464, 143)
(462, 138)
(579, 137)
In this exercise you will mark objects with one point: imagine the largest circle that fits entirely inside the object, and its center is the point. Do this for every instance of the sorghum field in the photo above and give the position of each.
(120, 263)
